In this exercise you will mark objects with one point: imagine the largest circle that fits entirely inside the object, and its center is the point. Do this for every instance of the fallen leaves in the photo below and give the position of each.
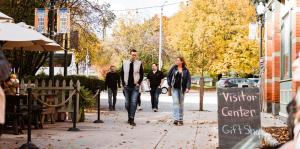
(281, 134)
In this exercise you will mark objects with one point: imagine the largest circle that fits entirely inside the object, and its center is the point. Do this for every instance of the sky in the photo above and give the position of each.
(136, 9)
(143, 13)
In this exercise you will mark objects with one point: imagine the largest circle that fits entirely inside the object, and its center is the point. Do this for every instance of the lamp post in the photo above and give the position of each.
(260, 10)
(52, 28)
(160, 63)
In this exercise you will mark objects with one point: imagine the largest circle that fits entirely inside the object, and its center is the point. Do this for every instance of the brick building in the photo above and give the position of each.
(281, 43)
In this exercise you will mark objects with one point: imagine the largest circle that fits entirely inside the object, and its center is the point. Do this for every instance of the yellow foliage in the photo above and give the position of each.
(213, 36)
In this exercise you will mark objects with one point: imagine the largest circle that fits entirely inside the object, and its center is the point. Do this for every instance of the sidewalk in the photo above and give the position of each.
(153, 130)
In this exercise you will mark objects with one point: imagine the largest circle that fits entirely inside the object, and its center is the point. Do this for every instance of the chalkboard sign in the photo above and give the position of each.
(238, 115)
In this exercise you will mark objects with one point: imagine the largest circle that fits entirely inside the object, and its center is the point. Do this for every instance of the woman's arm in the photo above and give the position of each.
(188, 81)
(170, 75)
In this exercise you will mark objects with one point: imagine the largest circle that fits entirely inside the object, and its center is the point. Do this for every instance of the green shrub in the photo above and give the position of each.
(86, 101)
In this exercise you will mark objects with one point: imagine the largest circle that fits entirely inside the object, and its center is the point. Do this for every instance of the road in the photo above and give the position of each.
(165, 101)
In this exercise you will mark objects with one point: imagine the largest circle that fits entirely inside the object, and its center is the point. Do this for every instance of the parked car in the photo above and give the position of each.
(226, 82)
(195, 80)
(243, 82)
(235, 82)
(255, 80)
(164, 88)
(221, 83)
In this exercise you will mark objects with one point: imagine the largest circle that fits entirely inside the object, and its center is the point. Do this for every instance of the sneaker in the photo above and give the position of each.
(140, 108)
(155, 110)
(175, 122)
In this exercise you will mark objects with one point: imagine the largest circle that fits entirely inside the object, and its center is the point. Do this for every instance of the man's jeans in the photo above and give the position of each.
(154, 92)
(131, 95)
(178, 103)
(112, 94)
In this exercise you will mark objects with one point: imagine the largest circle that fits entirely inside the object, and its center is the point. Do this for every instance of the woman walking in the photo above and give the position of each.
(179, 79)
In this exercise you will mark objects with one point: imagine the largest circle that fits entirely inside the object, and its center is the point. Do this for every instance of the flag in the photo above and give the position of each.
(63, 20)
(41, 20)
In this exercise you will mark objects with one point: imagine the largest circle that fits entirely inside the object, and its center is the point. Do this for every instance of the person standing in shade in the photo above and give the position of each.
(155, 81)
(112, 82)
(132, 74)
(139, 100)
(179, 79)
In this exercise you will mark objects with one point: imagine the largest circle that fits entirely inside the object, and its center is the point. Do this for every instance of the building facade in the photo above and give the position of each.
(282, 43)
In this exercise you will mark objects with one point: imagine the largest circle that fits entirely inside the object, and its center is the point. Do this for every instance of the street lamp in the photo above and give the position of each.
(52, 28)
(260, 10)
(160, 63)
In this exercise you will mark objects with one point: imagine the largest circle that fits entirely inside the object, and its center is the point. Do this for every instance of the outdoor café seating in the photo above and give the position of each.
(16, 113)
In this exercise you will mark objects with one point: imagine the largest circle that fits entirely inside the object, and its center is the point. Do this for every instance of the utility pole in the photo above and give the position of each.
(160, 39)
(160, 62)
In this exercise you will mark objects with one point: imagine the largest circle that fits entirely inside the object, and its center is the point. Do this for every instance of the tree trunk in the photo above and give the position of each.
(201, 92)
(77, 68)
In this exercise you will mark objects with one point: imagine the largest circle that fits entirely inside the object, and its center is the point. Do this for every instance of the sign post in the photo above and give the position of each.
(238, 115)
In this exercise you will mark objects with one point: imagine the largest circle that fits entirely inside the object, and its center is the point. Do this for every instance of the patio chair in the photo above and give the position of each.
(48, 111)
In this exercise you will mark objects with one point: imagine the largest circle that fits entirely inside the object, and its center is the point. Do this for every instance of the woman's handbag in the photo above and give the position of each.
(4, 67)
(169, 91)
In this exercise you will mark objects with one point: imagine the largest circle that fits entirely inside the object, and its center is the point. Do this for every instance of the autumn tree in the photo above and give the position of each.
(212, 35)
(143, 36)
(83, 18)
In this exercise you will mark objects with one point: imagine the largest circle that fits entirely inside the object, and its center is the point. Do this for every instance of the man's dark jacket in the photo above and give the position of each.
(112, 80)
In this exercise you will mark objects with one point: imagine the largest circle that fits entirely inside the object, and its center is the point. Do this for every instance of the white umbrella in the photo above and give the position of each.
(24, 36)
(15, 33)
(44, 38)
(51, 47)
(5, 17)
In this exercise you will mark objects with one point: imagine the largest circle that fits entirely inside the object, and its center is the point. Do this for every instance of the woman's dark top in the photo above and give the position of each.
(178, 77)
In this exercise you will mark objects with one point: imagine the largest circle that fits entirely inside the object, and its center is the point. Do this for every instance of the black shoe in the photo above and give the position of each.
(131, 122)
(175, 122)
(180, 122)
(114, 108)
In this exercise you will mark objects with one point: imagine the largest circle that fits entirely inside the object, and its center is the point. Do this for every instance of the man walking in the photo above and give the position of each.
(155, 81)
(132, 74)
(112, 82)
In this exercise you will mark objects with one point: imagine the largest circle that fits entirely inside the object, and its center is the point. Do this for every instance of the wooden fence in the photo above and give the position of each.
(62, 92)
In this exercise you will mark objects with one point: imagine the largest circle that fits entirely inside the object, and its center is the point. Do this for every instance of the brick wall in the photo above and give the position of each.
(296, 41)
(272, 58)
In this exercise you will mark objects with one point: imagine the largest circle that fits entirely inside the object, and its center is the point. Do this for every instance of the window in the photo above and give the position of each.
(286, 47)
